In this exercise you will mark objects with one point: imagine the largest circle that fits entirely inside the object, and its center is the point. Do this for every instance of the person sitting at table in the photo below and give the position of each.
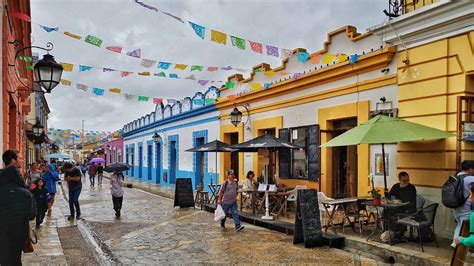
(248, 184)
(406, 192)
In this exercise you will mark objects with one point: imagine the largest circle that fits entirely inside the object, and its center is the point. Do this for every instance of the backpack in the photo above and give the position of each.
(452, 194)
(226, 182)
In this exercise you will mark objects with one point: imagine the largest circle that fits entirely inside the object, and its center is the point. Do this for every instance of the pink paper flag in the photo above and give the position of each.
(116, 49)
(21, 16)
(210, 69)
(125, 73)
(256, 47)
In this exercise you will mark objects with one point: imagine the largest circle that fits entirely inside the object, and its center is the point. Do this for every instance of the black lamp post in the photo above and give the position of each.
(156, 138)
(235, 117)
(38, 129)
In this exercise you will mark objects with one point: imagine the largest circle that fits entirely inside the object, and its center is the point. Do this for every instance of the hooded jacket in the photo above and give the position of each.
(50, 179)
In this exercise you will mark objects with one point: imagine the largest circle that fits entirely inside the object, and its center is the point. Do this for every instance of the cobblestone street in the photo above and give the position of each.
(151, 231)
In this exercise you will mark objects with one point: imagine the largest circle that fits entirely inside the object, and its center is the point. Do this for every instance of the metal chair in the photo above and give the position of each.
(359, 214)
(426, 220)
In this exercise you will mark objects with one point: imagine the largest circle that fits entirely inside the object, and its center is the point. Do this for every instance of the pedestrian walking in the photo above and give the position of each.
(17, 207)
(462, 213)
(50, 178)
(228, 199)
(92, 173)
(41, 198)
(100, 174)
(73, 178)
(33, 174)
(116, 189)
(83, 169)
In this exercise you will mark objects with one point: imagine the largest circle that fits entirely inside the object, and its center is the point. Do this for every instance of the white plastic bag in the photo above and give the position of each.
(219, 213)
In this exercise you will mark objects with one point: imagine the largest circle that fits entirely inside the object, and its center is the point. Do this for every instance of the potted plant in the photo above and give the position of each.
(200, 187)
(376, 196)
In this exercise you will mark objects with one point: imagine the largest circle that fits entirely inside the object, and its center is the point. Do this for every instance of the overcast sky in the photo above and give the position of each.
(286, 24)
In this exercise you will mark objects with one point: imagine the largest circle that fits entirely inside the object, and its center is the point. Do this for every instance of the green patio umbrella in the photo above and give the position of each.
(386, 130)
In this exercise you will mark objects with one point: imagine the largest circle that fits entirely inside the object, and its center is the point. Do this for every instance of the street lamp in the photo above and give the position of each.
(156, 138)
(47, 72)
(37, 129)
(236, 116)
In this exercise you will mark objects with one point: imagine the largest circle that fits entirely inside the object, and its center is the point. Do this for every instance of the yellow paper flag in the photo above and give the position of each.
(180, 66)
(65, 82)
(270, 73)
(115, 90)
(218, 37)
(67, 67)
(144, 73)
(328, 58)
(72, 35)
(256, 86)
(341, 58)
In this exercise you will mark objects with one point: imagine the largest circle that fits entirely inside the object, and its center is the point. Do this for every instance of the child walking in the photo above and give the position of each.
(41, 196)
(116, 183)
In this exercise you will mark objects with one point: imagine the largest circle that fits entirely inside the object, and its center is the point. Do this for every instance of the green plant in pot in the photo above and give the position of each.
(376, 196)
(200, 187)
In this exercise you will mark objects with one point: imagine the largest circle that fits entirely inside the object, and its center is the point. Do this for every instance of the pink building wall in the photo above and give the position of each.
(114, 151)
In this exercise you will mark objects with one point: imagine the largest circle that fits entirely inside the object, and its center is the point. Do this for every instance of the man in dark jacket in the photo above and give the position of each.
(17, 207)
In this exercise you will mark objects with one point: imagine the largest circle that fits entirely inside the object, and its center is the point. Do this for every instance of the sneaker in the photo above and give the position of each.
(78, 217)
(239, 228)
(117, 213)
(70, 217)
(222, 225)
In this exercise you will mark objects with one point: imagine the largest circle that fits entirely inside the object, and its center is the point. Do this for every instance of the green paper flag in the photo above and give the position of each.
(229, 84)
(161, 74)
(93, 40)
(29, 67)
(143, 98)
(258, 70)
(238, 42)
(197, 68)
(210, 101)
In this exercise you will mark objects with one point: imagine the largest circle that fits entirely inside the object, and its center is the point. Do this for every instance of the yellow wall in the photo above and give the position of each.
(326, 116)
(225, 156)
(438, 73)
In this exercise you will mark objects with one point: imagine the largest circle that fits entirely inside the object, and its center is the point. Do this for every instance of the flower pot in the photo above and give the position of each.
(376, 201)
(200, 188)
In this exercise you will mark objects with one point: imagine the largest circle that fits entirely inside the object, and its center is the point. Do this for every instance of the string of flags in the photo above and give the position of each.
(135, 53)
(223, 38)
(69, 134)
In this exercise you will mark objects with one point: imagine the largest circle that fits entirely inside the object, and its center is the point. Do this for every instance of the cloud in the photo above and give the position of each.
(288, 24)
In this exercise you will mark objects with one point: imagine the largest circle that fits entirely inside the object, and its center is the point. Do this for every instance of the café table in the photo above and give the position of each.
(388, 209)
(336, 204)
(253, 198)
(214, 188)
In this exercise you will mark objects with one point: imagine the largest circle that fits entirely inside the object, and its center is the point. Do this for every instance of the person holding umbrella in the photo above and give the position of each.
(92, 172)
(116, 184)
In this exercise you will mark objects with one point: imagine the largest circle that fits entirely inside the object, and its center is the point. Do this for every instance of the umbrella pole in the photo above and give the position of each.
(215, 172)
(384, 169)
(267, 215)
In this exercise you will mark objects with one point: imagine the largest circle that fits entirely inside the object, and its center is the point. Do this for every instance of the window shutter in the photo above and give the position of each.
(313, 152)
(284, 155)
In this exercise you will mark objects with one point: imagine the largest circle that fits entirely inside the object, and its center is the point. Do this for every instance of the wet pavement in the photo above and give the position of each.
(152, 231)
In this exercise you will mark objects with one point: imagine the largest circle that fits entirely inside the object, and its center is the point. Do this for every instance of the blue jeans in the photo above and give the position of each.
(74, 201)
(92, 178)
(233, 210)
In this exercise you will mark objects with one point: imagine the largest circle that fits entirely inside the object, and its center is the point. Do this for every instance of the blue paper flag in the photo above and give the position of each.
(200, 30)
(303, 56)
(174, 76)
(171, 101)
(98, 91)
(266, 85)
(83, 68)
(198, 101)
(353, 58)
(164, 65)
(48, 29)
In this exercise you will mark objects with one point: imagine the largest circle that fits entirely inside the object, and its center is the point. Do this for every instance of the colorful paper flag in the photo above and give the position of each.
(146, 6)
(198, 101)
(48, 29)
(164, 65)
(190, 77)
(303, 57)
(115, 90)
(284, 73)
(227, 68)
(107, 69)
(218, 37)
(25, 58)
(210, 69)
(256, 47)
(197, 68)
(65, 82)
(21, 16)
(128, 96)
(328, 58)
(161, 74)
(116, 49)
(125, 73)
(98, 91)
(93, 40)
(174, 76)
(231, 98)
(171, 101)
(256, 86)
(237, 42)
(272, 50)
(353, 58)
(67, 67)
(270, 73)
(203, 82)
(83, 68)
(157, 100)
(74, 36)
(81, 87)
(266, 86)
(200, 30)
(137, 53)
(229, 84)
(285, 53)
(315, 58)
(147, 63)
(210, 101)
(296, 75)
(145, 73)
(258, 70)
(180, 66)
(341, 58)
(173, 16)
(143, 98)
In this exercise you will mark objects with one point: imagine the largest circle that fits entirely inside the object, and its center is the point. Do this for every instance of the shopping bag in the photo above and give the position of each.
(219, 213)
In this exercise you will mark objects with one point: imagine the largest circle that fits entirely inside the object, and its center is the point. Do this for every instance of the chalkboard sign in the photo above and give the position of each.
(307, 220)
(183, 193)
